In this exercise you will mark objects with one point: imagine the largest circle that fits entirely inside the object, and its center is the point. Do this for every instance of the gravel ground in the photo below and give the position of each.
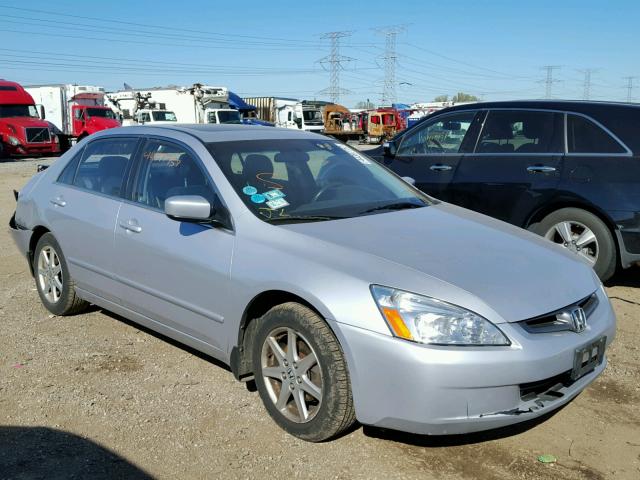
(95, 396)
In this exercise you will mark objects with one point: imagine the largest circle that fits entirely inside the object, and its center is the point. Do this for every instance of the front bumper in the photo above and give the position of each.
(440, 390)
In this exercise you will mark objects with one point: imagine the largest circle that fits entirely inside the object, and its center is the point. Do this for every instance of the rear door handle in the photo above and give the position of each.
(438, 167)
(540, 169)
(58, 201)
(131, 225)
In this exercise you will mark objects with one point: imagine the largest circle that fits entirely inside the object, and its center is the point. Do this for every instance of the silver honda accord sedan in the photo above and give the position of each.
(343, 291)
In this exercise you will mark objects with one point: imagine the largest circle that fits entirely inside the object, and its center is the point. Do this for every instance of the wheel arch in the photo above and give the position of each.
(551, 207)
(240, 358)
(38, 232)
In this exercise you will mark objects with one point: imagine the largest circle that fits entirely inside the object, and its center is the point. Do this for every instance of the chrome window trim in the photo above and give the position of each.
(437, 118)
(628, 153)
(566, 152)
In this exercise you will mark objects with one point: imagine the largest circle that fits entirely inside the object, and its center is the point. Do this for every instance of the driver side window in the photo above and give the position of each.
(445, 134)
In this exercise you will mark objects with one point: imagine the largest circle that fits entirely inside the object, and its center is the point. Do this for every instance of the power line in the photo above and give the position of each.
(586, 93)
(335, 60)
(629, 87)
(549, 80)
(390, 58)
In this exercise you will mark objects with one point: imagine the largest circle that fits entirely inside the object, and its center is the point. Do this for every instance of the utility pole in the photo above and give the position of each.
(334, 61)
(629, 87)
(586, 94)
(390, 58)
(549, 80)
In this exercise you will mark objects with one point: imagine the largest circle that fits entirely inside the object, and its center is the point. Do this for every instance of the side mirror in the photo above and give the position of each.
(390, 148)
(409, 180)
(42, 114)
(188, 208)
(298, 122)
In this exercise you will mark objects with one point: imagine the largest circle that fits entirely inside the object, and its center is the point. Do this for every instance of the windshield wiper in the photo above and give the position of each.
(393, 206)
(303, 218)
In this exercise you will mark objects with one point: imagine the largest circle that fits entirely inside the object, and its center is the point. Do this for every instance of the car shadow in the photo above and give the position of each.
(438, 441)
(629, 277)
(42, 452)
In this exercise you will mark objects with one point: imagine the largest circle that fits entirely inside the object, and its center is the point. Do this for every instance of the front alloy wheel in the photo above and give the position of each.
(301, 373)
(50, 274)
(292, 374)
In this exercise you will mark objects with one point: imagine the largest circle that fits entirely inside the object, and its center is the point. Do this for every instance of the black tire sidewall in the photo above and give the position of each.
(320, 427)
(66, 297)
(605, 266)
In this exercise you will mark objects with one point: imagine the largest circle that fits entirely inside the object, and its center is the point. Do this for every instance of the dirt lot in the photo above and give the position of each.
(94, 396)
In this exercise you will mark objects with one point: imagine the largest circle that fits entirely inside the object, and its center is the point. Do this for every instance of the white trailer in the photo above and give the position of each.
(193, 104)
(75, 110)
(288, 113)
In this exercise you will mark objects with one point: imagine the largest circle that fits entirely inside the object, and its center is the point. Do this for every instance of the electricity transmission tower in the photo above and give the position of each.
(390, 58)
(334, 61)
(629, 87)
(586, 95)
(549, 80)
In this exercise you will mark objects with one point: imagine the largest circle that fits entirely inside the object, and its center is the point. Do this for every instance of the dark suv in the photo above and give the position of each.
(568, 170)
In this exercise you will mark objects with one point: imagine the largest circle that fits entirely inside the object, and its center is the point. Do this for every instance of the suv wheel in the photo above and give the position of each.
(584, 234)
(55, 286)
(301, 373)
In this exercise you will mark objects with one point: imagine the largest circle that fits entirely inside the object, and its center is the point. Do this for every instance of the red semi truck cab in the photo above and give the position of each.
(22, 132)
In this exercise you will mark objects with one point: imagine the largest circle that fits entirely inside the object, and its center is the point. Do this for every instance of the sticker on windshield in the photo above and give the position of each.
(249, 190)
(273, 194)
(257, 198)
(358, 156)
(277, 203)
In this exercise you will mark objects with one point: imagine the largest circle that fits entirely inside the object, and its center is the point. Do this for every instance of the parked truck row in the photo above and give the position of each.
(46, 119)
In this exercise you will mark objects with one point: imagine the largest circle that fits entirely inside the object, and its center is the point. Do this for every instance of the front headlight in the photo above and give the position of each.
(13, 140)
(428, 320)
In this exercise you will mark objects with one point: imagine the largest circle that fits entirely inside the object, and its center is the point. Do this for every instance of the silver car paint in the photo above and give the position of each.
(195, 286)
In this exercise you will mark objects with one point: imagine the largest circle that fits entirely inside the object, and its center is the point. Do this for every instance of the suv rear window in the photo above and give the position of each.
(513, 131)
(584, 136)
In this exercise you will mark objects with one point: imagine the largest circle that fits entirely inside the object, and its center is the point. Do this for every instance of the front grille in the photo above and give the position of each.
(38, 135)
(548, 387)
(551, 323)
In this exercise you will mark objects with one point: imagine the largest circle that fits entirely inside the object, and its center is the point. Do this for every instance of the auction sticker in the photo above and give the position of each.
(273, 194)
(249, 190)
(277, 203)
(257, 198)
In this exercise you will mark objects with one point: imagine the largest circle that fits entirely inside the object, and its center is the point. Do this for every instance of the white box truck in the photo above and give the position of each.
(75, 110)
(288, 112)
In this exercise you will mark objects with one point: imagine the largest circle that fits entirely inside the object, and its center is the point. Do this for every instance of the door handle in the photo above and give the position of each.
(131, 226)
(58, 201)
(540, 169)
(438, 167)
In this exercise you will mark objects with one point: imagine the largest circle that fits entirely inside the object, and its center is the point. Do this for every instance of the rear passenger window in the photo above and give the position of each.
(168, 170)
(69, 171)
(584, 136)
(103, 165)
(507, 131)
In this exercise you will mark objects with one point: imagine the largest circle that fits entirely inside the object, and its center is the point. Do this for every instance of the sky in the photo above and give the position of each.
(495, 50)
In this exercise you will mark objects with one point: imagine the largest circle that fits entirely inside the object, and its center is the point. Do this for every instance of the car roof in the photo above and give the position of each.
(209, 133)
(577, 105)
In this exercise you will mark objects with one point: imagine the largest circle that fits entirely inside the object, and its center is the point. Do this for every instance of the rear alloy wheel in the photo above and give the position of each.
(55, 286)
(301, 373)
(584, 234)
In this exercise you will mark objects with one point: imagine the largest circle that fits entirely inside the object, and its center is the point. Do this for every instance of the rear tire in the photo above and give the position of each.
(583, 233)
(53, 281)
(301, 373)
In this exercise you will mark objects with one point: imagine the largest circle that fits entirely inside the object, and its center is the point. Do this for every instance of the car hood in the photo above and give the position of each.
(515, 273)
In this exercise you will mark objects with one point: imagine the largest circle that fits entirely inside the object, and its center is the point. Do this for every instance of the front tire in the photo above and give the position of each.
(301, 373)
(53, 281)
(584, 234)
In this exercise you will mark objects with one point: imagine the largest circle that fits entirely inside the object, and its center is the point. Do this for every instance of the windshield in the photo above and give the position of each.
(283, 181)
(18, 111)
(164, 116)
(232, 116)
(100, 112)
(312, 116)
